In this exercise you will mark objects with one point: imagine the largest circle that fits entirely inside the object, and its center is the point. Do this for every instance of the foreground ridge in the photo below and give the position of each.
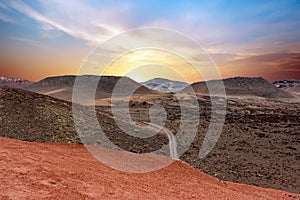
(52, 171)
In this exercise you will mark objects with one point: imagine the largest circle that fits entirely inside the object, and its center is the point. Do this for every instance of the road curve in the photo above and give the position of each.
(172, 140)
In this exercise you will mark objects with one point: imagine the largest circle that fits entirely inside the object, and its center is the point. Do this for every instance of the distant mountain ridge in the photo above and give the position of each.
(165, 85)
(291, 86)
(14, 82)
(242, 86)
(62, 86)
(286, 83)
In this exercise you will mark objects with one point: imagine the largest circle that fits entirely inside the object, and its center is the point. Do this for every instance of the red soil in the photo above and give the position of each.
(68, 171)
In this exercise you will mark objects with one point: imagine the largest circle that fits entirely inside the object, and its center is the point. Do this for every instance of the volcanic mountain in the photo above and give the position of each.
(165, 85)
(241, 86)
(61, 87)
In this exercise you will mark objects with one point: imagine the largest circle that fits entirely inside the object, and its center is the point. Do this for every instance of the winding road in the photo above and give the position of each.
(172, 140)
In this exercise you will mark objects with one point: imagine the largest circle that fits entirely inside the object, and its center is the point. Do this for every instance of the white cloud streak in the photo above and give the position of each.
(27, 41)
(88, 26)
(6, 18)
(218, 33)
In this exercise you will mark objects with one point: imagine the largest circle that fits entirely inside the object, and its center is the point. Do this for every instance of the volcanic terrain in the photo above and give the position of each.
(259, 144)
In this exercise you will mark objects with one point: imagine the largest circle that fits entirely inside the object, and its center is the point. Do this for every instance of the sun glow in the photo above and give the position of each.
(143, 65)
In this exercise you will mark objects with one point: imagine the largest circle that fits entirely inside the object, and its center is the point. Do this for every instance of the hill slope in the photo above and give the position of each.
(31, 116)
(51, 171)
(61, 87)
(244, 86)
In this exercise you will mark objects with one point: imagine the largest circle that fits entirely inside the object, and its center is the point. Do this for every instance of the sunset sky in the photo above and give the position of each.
(244, 38)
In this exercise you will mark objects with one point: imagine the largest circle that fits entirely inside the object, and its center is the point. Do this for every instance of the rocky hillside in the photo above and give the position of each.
(61, 87)
(30, 116)
(242, 86)
(33, 117)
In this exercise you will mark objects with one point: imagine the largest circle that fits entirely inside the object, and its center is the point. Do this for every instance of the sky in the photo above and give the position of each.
(243, 38)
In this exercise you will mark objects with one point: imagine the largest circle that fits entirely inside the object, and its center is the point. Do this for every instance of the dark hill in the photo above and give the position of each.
(30, 116)
(62, 86)
(242, 86)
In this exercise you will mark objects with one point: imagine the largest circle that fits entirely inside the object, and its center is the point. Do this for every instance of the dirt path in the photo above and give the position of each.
(68, 171)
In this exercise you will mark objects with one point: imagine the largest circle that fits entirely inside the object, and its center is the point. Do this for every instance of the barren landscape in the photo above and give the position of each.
(151, 99)
(259, 144)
